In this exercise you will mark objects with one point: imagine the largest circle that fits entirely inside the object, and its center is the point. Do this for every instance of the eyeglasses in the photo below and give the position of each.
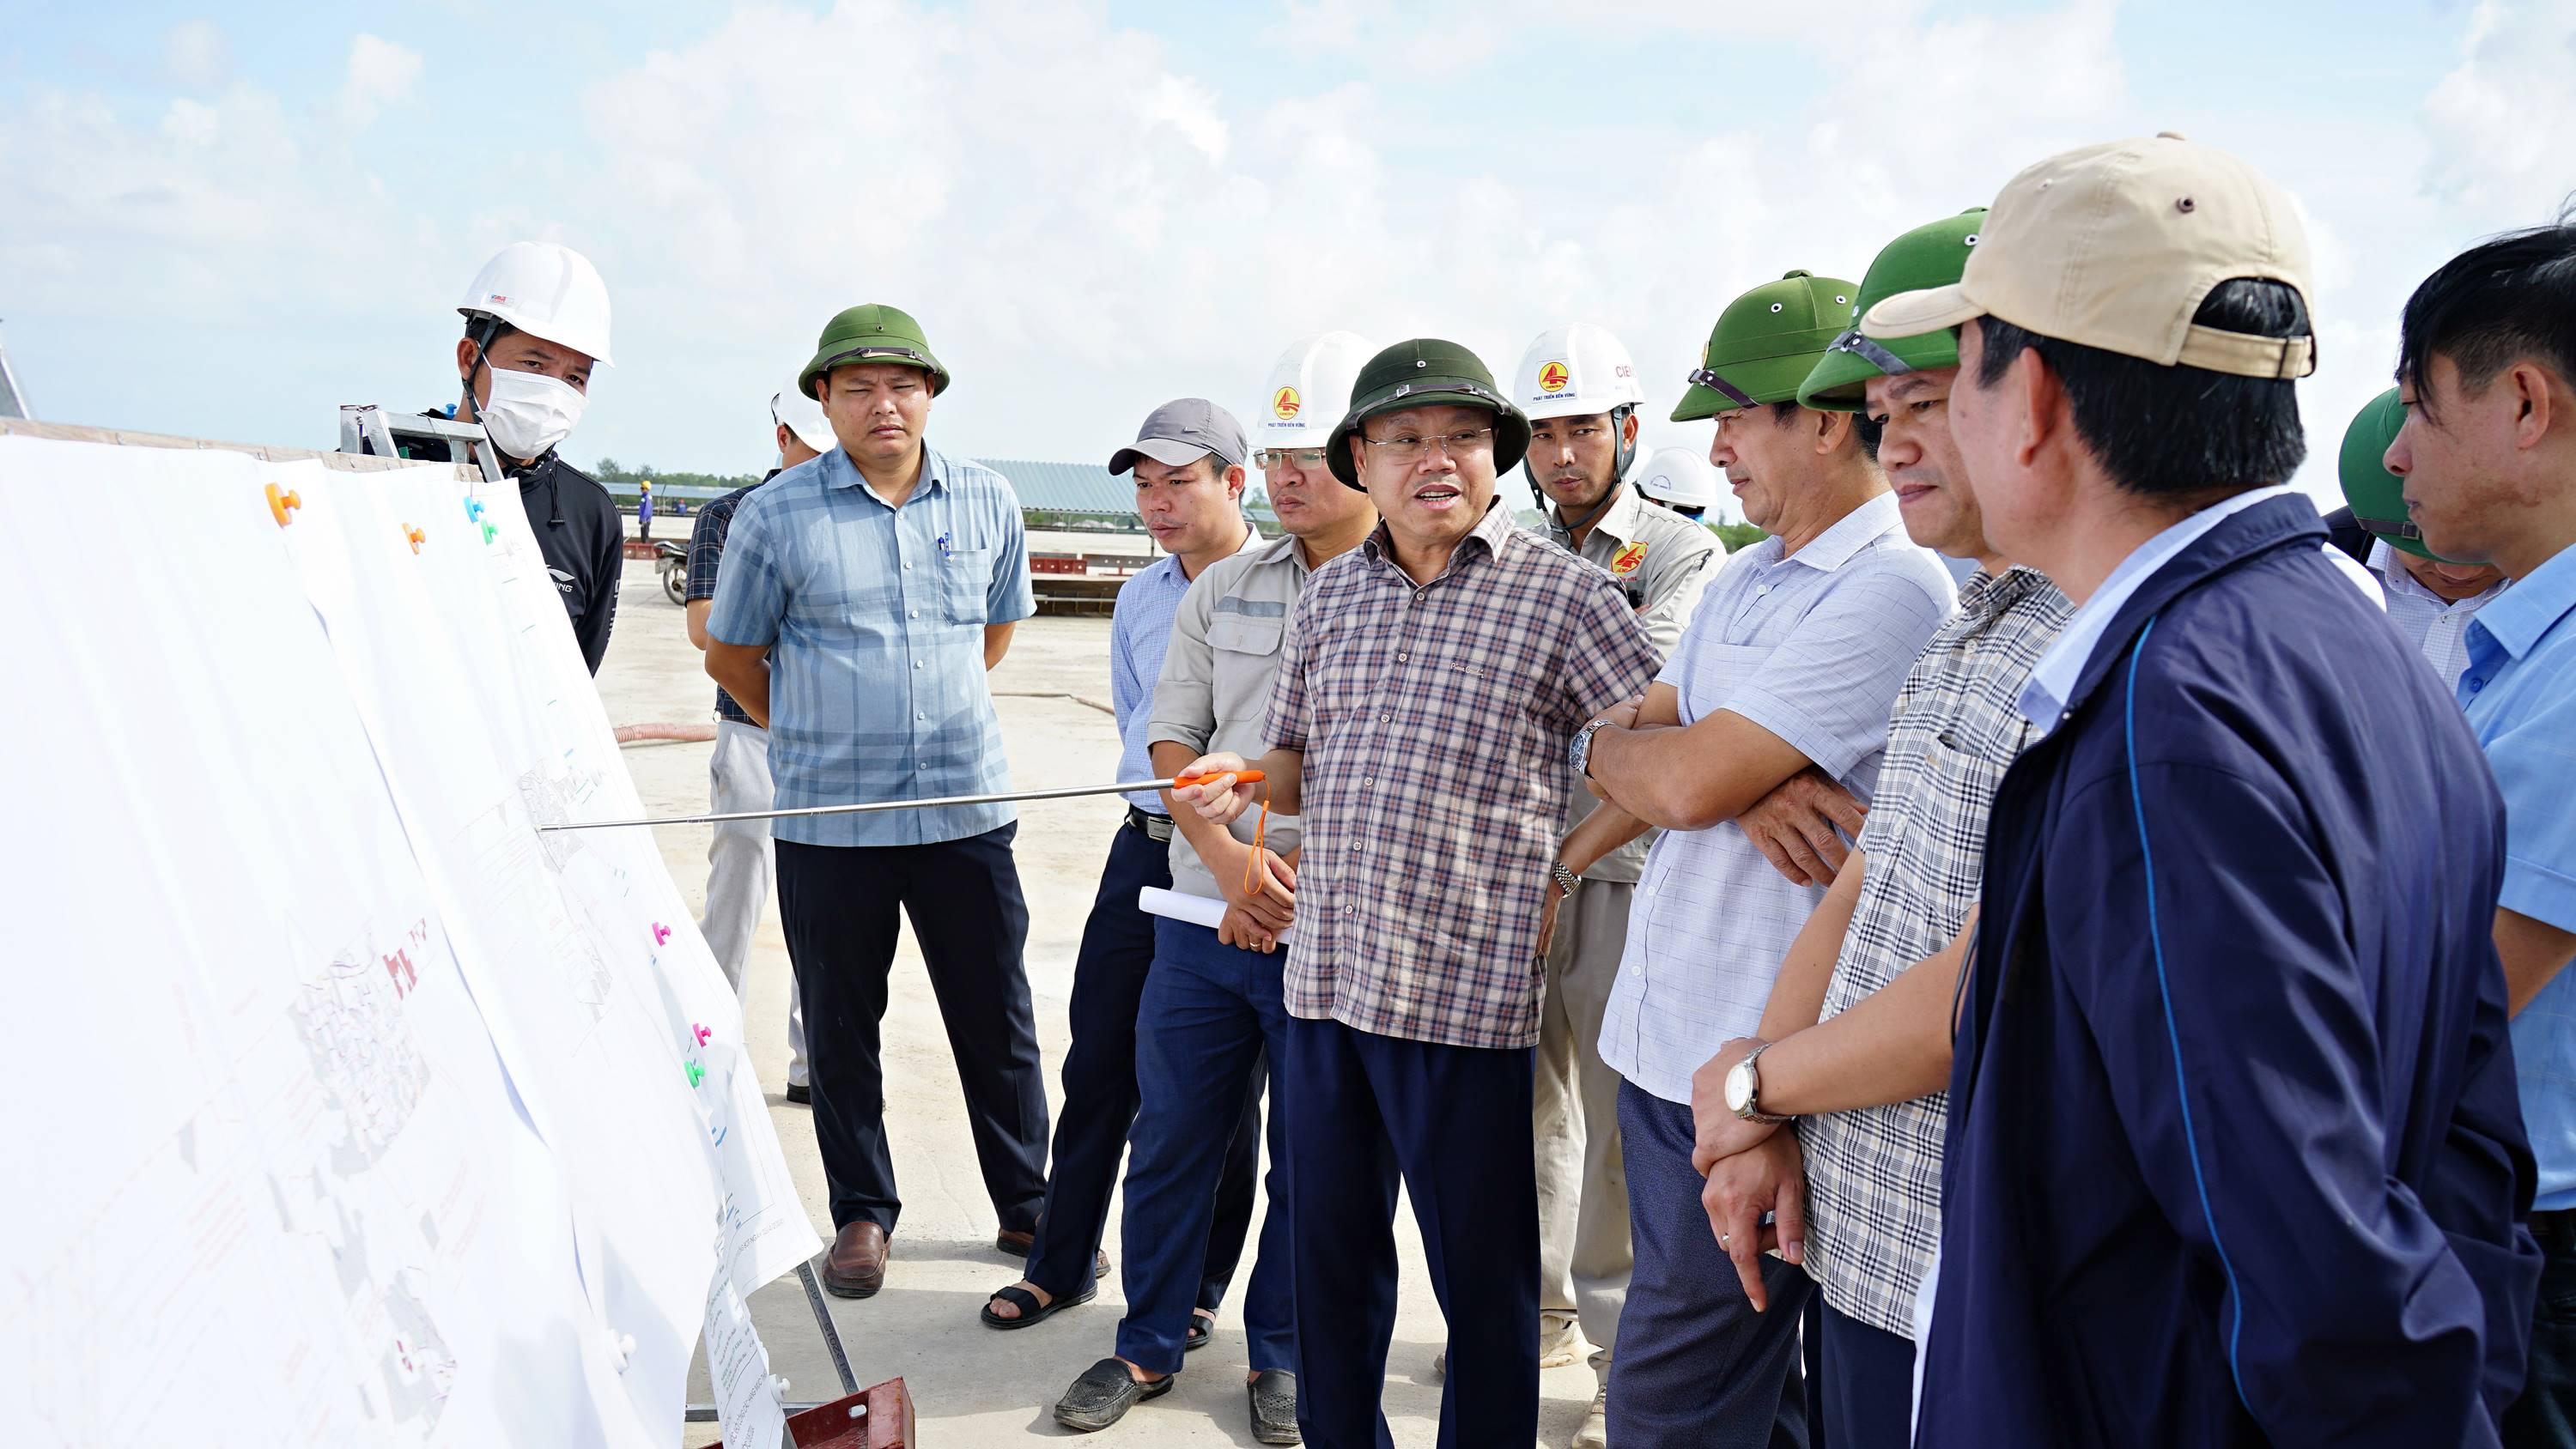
(1413, 447)
(1270, 460)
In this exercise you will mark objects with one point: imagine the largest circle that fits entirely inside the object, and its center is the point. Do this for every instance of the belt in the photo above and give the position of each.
(1158, 827)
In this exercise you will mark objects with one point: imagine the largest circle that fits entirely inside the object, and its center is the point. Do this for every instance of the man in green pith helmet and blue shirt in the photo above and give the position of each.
(1792, 660)
(1872, 1163)
(887, 577)
(1431, 681)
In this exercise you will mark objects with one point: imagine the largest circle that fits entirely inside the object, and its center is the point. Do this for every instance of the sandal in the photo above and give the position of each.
(1031, 1310)
(1202, 1328)
(1016, 1246)
(1104, 1394)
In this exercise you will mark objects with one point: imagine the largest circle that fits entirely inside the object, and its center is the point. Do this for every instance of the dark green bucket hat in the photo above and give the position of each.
(1765, 343)
(2377, 496)
(872, 333)
(1427, 372)
(1928, 256)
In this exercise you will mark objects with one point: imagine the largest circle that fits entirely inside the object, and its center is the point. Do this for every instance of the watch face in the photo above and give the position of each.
(1739, 1087)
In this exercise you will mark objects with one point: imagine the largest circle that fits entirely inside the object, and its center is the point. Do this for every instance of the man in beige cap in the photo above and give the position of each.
(2233, 1155)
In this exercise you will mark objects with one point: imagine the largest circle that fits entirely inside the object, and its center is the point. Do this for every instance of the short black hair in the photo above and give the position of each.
(2508, 297)
(1867, 428)
(2171, 433)
(501, 331)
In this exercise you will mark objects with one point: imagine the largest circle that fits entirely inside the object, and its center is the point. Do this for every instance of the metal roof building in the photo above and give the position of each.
(1082, 490)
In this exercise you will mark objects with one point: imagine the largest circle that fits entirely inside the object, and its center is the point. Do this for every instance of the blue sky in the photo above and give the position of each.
(1094, 208)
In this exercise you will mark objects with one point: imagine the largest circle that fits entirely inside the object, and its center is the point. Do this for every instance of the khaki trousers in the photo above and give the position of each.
(1583, 1255)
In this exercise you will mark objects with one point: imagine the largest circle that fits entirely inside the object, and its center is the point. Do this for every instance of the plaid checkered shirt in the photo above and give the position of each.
(1874, 1176)
(1434, 720)
(706, 558)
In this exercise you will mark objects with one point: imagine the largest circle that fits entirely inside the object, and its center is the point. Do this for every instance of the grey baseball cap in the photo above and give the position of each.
(1183, 431)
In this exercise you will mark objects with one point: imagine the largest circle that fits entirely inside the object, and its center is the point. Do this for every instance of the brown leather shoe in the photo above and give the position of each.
(855, 1268)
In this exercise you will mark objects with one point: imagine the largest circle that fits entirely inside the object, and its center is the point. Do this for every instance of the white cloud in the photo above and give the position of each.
(380, 74)
(1088, 225)
(2502, 119)
(195, 54)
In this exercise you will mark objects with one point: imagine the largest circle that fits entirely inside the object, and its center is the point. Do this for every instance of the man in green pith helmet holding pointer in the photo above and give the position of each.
(1429, 686)
(865, 592)
(1792, 660)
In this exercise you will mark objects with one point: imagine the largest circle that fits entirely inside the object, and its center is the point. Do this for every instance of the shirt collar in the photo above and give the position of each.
(1490, 530)
(2053, 679)
(1986, 595)
(1618, 521)
(839, 472)
(2537, 603)
(2396, 579)
(1851, 533)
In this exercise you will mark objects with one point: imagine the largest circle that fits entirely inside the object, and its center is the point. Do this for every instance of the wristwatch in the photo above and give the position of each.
(1580, 752)
(1744, 1088)
(1566, 881)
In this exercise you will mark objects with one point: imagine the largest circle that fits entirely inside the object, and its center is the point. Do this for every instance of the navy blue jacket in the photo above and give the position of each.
(2246, 1166)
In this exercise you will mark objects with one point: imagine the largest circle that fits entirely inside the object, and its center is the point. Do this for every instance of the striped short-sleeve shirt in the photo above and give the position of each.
(1434, 720)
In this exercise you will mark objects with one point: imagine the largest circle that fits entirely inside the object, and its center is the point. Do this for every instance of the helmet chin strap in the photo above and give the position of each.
(1627, 455)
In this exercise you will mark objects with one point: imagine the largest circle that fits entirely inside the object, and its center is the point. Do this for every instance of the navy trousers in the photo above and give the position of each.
(1453, 1123)
(839, 904)
(1865, 1394)
(1697, 1366)
(1100, 1090)
(1211, 1017)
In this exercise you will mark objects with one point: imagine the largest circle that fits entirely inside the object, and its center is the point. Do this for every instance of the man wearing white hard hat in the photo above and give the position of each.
(739, 861)
(1681, 480)
(536, 324)
(1581, 392)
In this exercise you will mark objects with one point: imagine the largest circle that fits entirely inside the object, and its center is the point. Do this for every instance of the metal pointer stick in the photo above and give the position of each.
(1122, 787)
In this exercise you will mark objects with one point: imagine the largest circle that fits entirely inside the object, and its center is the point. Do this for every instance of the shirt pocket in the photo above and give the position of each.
(965, 577)
(1951, 798)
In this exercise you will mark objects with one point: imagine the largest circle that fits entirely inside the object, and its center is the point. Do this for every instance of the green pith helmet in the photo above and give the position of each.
(1928, 256)
(1427, 372)
(871, 333)
(1765, 343)
(2377, 496)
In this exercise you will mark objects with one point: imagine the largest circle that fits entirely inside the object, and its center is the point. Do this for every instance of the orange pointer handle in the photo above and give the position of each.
(1241, 777)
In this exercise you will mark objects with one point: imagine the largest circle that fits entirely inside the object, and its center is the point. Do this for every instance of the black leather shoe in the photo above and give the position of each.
(800, 1094)
(1104, 1394)
(1274, 1407)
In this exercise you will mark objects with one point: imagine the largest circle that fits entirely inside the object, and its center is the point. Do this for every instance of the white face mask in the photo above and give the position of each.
(530, 412)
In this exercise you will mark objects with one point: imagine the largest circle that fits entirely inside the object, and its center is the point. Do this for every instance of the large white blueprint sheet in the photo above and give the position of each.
(368, 1114)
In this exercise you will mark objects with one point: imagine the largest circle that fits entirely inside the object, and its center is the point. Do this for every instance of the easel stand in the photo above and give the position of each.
(706, 1413)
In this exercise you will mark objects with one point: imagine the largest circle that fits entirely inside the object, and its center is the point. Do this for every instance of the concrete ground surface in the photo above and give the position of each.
(973, 1385)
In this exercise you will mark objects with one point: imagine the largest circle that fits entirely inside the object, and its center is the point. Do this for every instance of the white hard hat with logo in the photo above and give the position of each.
(547, 290)
(802, 416)
(1679, 477)
(1573, 370)
(1309, 390)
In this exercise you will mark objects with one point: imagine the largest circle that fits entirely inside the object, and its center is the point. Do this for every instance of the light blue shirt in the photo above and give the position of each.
(2054, 677)
(1811, 647)
(2434, 625)
(1140, 628)
(2520, 692)
(875, 616)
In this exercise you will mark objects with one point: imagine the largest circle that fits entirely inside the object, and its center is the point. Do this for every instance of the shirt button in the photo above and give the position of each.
(916, 613)
(916, 664)
(1386, 719)
(2476, 684)
(907, 565)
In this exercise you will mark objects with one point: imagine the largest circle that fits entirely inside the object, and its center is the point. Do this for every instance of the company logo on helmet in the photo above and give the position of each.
(497, 300)
(1285, 404)
(1552, 377)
